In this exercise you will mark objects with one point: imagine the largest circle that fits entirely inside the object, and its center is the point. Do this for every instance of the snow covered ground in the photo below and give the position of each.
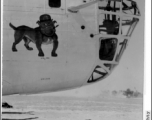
(46, 107)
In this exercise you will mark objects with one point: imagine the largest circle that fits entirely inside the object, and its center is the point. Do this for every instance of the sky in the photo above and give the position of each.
(128, 74)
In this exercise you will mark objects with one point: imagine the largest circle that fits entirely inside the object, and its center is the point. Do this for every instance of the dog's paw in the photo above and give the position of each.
(30, 48)
(14, 50)
(27, 47)
(54, 55)
(41, 54)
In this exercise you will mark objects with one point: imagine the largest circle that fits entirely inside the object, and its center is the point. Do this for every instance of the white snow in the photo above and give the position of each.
(46, 107)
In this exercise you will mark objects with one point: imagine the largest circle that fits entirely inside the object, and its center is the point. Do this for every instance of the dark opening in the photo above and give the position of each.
(98, 74)
(107, 49)
(55, 3)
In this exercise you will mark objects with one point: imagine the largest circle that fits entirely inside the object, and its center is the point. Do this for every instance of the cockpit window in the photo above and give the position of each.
(107, 49)
(55, 3)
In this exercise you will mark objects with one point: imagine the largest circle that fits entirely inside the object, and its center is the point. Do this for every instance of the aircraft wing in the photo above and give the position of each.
(75, 9)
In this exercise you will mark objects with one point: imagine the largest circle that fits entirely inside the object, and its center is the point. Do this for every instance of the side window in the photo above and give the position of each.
(107, 49)
(55, 3)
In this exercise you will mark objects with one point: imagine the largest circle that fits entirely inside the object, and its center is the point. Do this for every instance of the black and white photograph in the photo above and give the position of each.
(72, 59)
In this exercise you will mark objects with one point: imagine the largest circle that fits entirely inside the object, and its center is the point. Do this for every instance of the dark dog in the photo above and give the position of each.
(36, 36)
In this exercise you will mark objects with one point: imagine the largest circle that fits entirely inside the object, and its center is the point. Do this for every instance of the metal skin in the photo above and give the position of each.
(86, 54)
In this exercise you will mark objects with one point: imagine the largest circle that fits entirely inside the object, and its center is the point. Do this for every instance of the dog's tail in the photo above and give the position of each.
(12, 26)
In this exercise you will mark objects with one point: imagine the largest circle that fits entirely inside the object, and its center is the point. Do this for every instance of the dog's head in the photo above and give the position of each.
(47, 27)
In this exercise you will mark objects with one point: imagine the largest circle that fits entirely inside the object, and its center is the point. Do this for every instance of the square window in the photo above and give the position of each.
(55, 3)
(108, 48)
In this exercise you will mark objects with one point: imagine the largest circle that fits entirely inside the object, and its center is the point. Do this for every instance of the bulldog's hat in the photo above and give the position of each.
(45, 17)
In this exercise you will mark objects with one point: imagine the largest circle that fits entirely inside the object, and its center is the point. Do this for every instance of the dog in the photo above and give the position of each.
(37, 36)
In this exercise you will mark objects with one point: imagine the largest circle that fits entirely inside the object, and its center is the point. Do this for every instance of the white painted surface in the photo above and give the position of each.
(28, 73)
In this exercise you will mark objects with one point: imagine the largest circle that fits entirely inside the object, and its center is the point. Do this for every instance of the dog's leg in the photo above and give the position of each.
(18, 37)
(55, 45)
(27, 41)
(41, 54)
(14, 47)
